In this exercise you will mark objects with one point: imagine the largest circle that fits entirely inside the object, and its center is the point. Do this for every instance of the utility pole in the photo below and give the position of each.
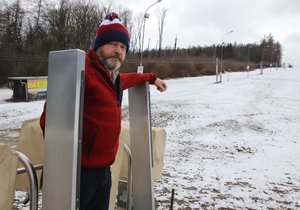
(174, 50)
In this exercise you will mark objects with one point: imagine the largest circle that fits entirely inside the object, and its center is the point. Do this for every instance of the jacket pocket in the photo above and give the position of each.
(91, 141)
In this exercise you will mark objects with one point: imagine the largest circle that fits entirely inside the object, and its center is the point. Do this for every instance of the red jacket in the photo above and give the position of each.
(102, 111)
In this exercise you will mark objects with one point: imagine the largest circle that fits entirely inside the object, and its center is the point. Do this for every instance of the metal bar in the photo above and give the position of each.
(129, 178)
(61, 178)
(172, 199)
(141, 147)
(32, 180)
(36, 167)
(217, 70)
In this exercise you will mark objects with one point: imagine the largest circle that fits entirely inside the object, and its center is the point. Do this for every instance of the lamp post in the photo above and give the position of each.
(146, 15)
(222, 51)
(248, 65)
(276, 50)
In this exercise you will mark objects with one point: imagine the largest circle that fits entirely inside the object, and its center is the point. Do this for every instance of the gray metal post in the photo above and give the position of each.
(217, 70)
(63, 130)
(141, 147)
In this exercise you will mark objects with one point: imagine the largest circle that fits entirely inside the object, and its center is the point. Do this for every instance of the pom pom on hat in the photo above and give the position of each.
(111, 29)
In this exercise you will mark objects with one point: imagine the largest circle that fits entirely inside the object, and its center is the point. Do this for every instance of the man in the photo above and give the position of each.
(104, 87)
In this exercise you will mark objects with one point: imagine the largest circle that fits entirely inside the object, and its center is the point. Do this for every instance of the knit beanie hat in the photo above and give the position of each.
(111, 29)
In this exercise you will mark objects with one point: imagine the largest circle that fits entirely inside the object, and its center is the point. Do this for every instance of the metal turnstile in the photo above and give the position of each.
(63, 130)
(63, 133)
(141, 147)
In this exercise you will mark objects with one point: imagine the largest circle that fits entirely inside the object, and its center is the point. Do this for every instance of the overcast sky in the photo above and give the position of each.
(199, 22)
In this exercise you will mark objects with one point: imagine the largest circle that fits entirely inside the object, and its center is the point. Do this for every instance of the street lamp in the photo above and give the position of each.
(222, 51)
(249, 47)
(146, 15)
(248, 66)
(276, 51)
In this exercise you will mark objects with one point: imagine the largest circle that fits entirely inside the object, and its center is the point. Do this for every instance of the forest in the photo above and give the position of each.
(28, 33)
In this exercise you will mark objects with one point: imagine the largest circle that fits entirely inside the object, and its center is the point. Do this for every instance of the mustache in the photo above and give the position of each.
(116, 55)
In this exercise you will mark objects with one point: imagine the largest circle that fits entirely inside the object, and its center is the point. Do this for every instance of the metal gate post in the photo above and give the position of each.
(63, 130)
(141, 147)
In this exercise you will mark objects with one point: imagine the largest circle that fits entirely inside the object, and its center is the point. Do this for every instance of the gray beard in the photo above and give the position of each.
(110, 65)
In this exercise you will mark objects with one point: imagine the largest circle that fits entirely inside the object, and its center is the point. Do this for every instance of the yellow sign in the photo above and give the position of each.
(42, 83)
(37, 84)
(32, 84)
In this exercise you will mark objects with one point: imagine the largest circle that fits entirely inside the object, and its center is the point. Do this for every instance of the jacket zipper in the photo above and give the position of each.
(91, 142)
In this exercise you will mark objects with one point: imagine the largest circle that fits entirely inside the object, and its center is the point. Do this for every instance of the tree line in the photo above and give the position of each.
(28, 33)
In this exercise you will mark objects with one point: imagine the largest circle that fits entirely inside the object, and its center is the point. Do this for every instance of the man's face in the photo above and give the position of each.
(112, 55)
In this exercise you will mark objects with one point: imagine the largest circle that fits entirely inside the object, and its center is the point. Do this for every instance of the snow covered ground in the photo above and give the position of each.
(232, 145)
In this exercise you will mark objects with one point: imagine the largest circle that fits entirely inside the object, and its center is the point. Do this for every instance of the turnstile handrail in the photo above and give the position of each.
(30, 169)
(36, 167)
(32, 180)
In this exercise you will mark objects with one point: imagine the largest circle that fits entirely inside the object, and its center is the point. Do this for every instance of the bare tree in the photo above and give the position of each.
(85, 18)
(107, 6)
(136, 33)
(125, 16)
(59, 22)
(11, 43)
(12, 17)
(36, 28)
(2, 21)
(161, 15)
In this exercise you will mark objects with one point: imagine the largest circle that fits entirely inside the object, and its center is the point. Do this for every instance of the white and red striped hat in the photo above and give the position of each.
(111, 29)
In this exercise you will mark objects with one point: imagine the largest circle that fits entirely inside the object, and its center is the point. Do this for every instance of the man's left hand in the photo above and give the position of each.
(160, 84)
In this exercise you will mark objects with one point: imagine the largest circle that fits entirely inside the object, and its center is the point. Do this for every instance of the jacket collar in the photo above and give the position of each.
(117, 86)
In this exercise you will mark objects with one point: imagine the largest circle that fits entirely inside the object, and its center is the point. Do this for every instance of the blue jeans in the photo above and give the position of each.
(95, 184)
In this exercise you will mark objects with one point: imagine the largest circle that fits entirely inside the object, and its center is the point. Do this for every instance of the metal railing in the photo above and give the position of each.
(30, 169)
(33, 181)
